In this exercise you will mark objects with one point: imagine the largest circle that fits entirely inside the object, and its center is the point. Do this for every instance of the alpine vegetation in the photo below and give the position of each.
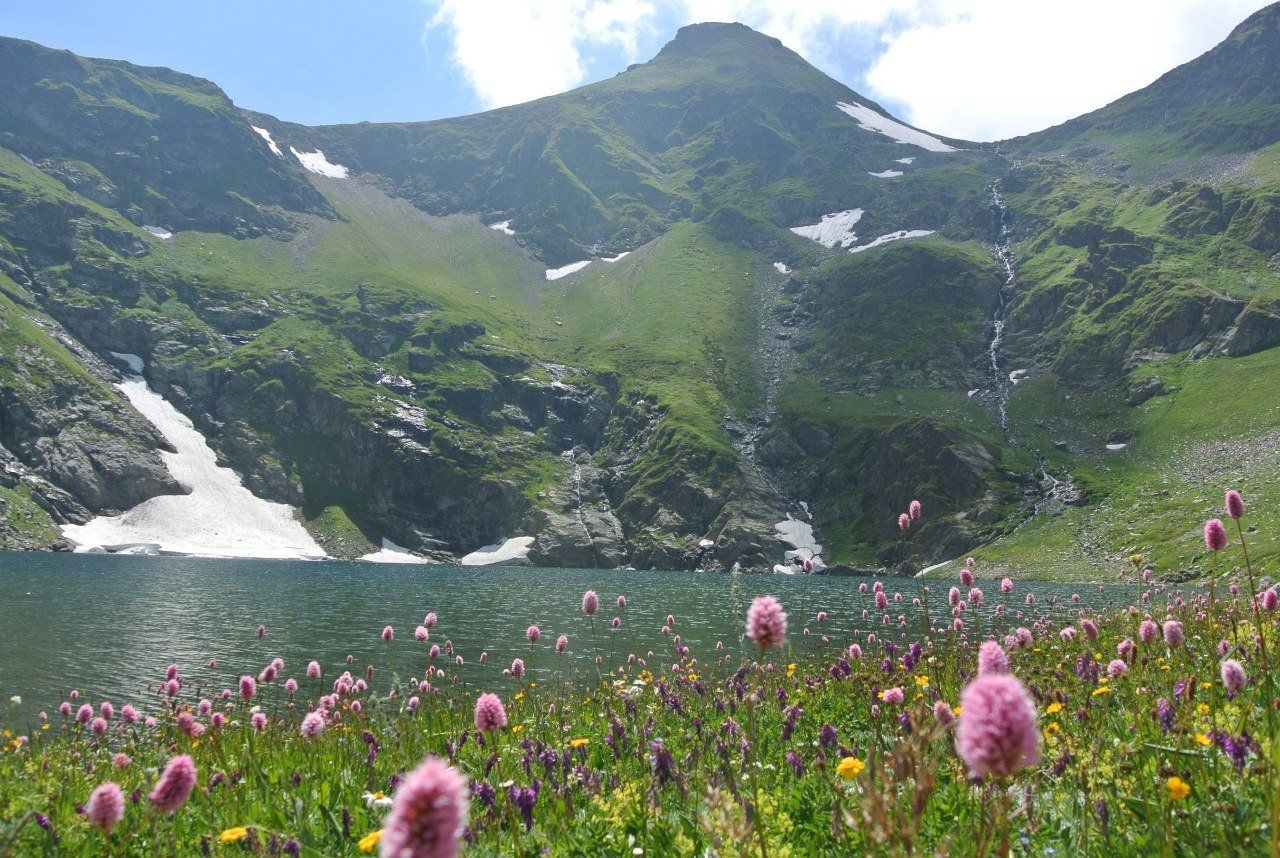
(1004, 725)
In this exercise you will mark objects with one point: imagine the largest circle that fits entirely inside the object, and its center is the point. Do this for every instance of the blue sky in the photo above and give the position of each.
(975, 69)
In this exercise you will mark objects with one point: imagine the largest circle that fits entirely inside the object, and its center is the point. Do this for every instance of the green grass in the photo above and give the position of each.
(1214, 432)
(814, 748)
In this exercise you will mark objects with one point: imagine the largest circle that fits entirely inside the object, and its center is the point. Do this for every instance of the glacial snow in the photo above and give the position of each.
(392, 553)
(158, 231)
(503, 226)
(266, 135)
(614, 258)
(512, 552)
(892, 236)
(799, 535)
(219, 517)
(835, 228)
(317, 163)
(886, 174)
(907, 161)
(782, 267)
(872, 121)
(566, 270)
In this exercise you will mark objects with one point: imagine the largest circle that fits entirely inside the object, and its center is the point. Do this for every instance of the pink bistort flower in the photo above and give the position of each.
(428, 814)
(997, 733)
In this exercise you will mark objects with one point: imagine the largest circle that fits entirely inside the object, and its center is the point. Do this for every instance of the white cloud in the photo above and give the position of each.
(974, 69)
(518, 51)
(991, 69)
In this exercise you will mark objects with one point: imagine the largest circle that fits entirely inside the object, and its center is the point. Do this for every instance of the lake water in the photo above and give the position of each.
(108, 625)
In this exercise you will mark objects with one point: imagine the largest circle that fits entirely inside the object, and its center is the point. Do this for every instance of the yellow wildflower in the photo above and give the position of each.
(922, 681)
(791, 669)
(1051, 728)
(369, 842)
(1178, 788)
(1053, 708)
(1103, 690)
(1203, 739)
(850, 767)
(233, 835)
(517, 728)
(579, 743)
(1203, 708)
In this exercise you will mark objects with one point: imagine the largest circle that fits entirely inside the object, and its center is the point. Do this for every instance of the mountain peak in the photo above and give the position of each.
(723, 42)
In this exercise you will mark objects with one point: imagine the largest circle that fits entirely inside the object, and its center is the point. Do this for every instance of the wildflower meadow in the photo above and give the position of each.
(1010, 725)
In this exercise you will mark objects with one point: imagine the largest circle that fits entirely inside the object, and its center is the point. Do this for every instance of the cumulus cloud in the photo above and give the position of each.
(974, 69)
(992, 69)
(511, 52)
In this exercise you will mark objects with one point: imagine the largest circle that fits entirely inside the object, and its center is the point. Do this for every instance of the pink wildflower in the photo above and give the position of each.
(105, 806)
(767, 623)
(490, 713)
(997, 733)
(428, 814)
(175, 784)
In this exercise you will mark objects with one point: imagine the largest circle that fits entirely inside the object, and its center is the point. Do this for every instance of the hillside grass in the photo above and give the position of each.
(1216, 430)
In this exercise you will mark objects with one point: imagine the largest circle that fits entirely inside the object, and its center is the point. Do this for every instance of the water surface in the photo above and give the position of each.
(108, 625)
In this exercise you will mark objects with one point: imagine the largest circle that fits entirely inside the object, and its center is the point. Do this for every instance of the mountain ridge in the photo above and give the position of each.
(355, 336)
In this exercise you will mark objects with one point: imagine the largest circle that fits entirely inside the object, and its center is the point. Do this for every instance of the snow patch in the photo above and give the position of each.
(317, 163)
(392, 553)
(799, 535)
(132, 361)
(890, 237)
(509, 552)
(219, 517)
(614, 258)
(503, 226)
(266, 135)
(907, 161)
(926, 570)
(1019, 375)
(872, 121)
(835, 228)
(1116, 447)
(886, 174)
(782, 267)
(158, 231)
(706, 544)
(566, 270)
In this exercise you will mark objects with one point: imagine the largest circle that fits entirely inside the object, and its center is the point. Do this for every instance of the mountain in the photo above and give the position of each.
(1224, 103)
(718, 308)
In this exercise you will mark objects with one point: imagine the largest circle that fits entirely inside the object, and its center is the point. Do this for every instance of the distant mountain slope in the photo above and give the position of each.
(716, 309)
(1226, 101)
(721, 116)
(161, 147)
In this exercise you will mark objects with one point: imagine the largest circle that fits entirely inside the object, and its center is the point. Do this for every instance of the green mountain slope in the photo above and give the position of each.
(333, 310)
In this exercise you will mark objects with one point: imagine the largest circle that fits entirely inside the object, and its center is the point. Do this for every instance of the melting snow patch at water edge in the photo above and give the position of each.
(835, 228)
(219, 517)
(509, 552)
(392, 553)
(317, 163)
(804, 546)
(872, 121)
